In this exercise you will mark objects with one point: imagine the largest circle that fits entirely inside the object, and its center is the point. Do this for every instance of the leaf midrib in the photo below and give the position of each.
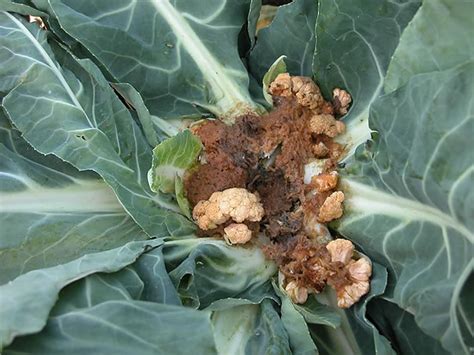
(228, 93)
(366, 199)
(79, 198)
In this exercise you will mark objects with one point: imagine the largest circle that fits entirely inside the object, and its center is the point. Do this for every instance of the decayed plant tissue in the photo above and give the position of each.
(251, 180)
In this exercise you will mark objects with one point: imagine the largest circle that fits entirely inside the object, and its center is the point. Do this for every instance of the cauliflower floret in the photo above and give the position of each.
(342, 99)
(341, 250)
(351, 294)
(359, 273)
(332, 207)
(281, 86)
(237, 204)
(325, 182)
(208, 215)
(326, 124)
(237, 233)
(296, 293)
(360, 270)
(307, 93)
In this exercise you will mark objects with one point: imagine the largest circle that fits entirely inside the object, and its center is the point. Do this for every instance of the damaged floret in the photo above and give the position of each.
(297, 294)
(307, 93)
(359, 275)
(325, 181)
(326, 124)
(237, 204)
(341, 250)
(359, 272)
(332, 207)
(281, 86)
(268, 154)
(237, 233)
(342, 99)
(308, 266)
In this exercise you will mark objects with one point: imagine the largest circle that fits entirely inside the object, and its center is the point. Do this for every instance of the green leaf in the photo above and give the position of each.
(50, 212)
(171, 158)
(188, 58)
(278, 67)
(183, 202)
(207, 272)
(252, 20)
(410, 201)
(20, 7)
(123, 327)
(315, 312)
(132, 97)
(157, 285)
(295, 325)
(436, 39)
(400, 326)
(290, 34)
(111, 313)
(250, 329)
(355, 42)
(95, 131)
(26, 302)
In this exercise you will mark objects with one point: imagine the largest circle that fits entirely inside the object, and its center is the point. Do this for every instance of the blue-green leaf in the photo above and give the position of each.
(208, 272)
(79, 119)
(290, 34)
(355, 42)
(178, 55)
(51, 213)
(436, 39)
(410, 201)
(25, 303)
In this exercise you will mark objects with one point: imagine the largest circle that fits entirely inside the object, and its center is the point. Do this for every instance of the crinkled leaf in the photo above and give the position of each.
(157, 285)
(176, 54)
(95, 131)
(410, 199)
(291, 34)
(107, 313)
(26, 302)
(171, 158)
(205, 271)
(51, 213)
(355, 42)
